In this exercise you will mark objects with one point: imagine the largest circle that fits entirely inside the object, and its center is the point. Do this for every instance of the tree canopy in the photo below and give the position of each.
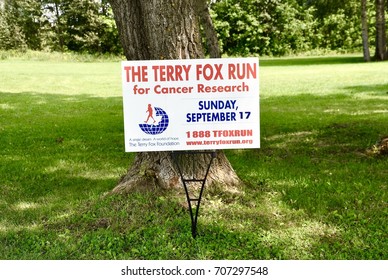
(243, 27)
(58, 25)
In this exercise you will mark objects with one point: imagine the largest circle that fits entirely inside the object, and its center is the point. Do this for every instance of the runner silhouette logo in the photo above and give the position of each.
(159, 123)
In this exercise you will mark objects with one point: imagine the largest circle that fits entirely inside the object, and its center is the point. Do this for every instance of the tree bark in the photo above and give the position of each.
(381, 36)
(365, 35)
(208, 27)
(164, 29)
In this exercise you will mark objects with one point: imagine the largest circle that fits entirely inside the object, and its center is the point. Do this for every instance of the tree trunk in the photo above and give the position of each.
(165, 29)
(207, 24)
(365, 35)
(58, 27)
(381, 36)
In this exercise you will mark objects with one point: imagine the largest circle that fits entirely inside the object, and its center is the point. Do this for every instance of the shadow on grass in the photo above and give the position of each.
(304, 61)
(313, 169)
(57, 150)
(373, 90)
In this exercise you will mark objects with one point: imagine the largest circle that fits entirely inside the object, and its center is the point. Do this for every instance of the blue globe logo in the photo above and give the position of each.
(158, 124)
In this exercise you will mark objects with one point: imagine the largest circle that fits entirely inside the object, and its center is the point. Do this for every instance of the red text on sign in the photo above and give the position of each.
(136, 73)
(209, 72)
(239, 71)
(171, 73)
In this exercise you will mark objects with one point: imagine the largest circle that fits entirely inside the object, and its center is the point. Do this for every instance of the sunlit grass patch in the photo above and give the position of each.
(6, 107)
(312, 191)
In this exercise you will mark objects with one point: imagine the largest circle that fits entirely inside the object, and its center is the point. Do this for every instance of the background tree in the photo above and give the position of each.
(243, 27)
(381, 35)
(365, 34)
(83, 26)
(285, 27)
(55, 37)
(59, 25)
(166, 29)
(11, 36)
(20, 24)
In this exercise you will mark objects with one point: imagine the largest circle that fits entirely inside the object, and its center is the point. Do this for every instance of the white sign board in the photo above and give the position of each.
(200, 104)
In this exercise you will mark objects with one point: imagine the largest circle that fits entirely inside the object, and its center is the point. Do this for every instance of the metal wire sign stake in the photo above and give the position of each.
(190, 180)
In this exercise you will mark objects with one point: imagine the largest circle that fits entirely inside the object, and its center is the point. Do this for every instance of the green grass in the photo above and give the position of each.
(311, 191)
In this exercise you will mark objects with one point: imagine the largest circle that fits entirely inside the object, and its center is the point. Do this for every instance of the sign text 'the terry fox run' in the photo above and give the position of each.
(191, 104)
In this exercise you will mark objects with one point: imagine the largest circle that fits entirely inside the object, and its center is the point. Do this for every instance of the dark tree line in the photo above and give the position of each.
(243, 27)
(58, 25)
(277, 27)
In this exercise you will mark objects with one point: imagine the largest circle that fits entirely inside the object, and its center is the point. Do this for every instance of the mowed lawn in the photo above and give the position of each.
(314, 190)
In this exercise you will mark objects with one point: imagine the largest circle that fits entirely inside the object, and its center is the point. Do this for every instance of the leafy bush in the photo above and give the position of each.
(262, 27)
(76, 25)
(11, 36)
(284, 27)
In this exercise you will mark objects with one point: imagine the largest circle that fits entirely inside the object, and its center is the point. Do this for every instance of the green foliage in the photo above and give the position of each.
(11, 35)
(87, 27)
(59, 25)
(244, 27)
(325, 8)
(20, 25)
(263, 27)
(282, 27)
(340, 33)
(311, 191)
